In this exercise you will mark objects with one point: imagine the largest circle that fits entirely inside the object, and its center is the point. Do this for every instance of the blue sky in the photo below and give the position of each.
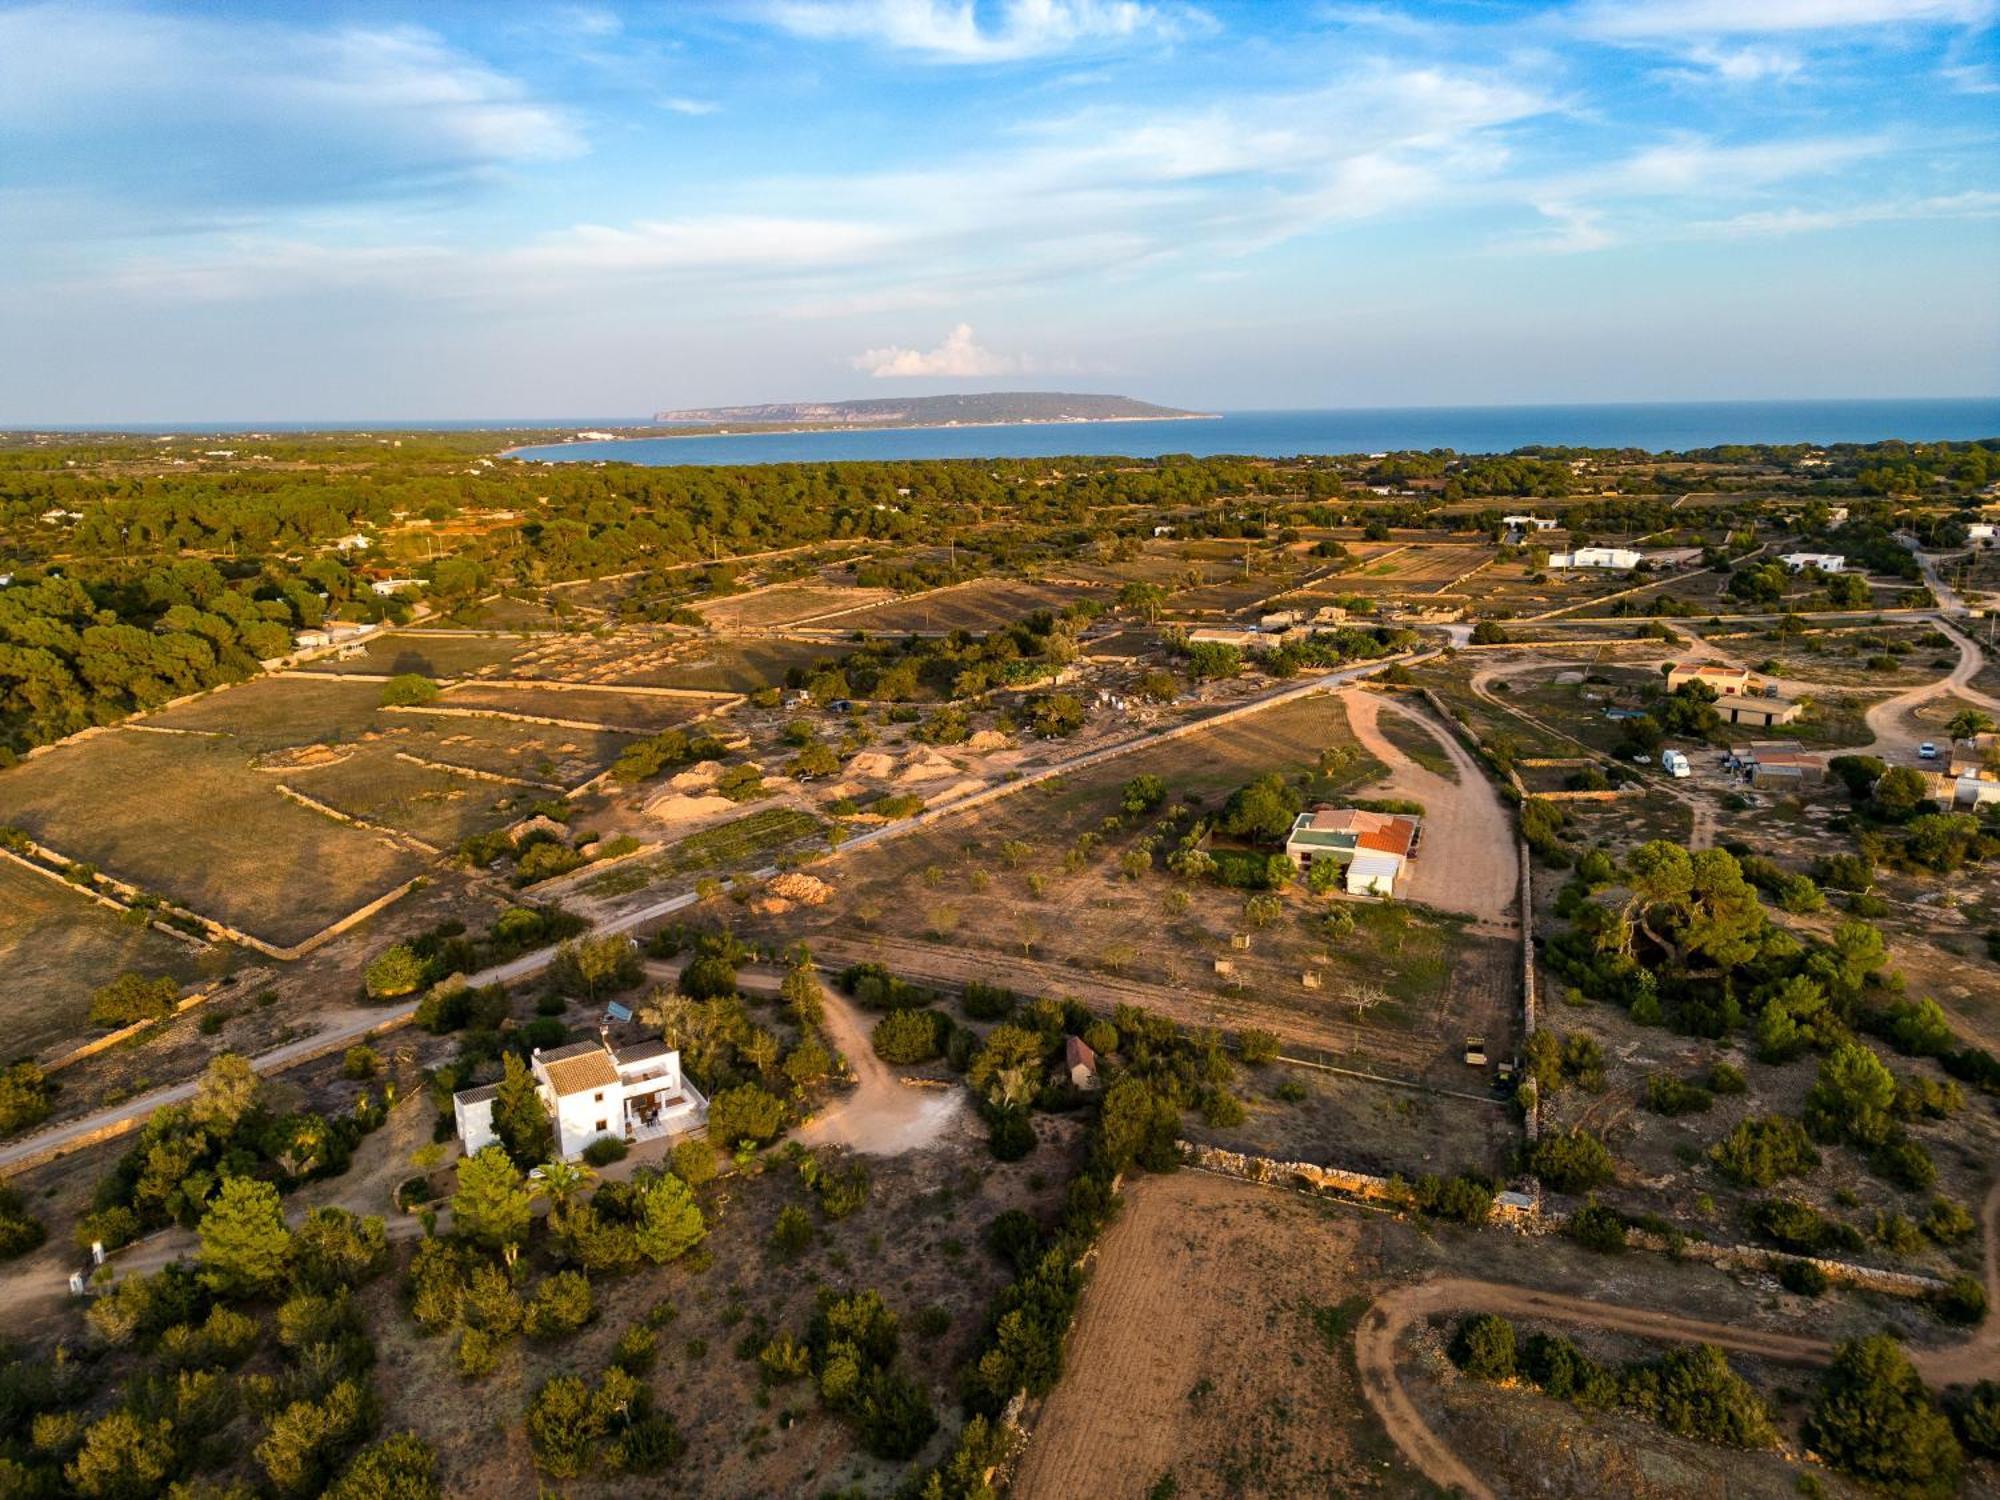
(372, 210)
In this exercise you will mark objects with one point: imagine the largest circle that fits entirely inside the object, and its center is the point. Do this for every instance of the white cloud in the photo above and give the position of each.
(951, 31)
(1751, 64)
(201, 115)
(957, 356)
(1768, 222)
(681, 104)
(1665, 20)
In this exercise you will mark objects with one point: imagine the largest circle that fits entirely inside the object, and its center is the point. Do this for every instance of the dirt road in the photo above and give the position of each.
(1467, 860)
(1893, 739)
(883, 1116)
(1382, 1327)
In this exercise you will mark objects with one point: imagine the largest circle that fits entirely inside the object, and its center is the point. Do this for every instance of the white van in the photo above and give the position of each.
(1675, 764)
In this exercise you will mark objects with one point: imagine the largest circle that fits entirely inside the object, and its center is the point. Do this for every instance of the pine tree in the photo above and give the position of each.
(244, 1242)
(520, 1119)
(492, 1206)
(671, 1223)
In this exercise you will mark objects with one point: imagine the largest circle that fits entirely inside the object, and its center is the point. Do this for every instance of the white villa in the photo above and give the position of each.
(635, 1094)
(1372, 848)
(1826, 562)
(1597, 557)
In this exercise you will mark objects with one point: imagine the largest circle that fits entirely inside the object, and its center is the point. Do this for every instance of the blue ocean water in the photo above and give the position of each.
(1284, 434)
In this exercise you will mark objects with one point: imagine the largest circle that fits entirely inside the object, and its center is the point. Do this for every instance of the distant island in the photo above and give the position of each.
(981, 409)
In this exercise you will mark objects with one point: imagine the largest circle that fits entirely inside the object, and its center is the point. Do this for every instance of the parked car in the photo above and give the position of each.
(1927, 751)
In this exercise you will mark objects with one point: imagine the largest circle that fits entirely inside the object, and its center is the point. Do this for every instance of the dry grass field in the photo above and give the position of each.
(56, 946)
(643, 712)
(1209, 1348)
(986, 604)
(432, 653)
(787, 604)
(185, 816)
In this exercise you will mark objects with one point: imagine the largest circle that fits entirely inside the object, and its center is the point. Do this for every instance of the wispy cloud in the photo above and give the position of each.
(952, 31)
(959, 356)
(207, 115)
(1660, 20)
(681, 104)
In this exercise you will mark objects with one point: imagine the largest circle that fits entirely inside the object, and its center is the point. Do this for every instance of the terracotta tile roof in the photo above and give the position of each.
(1395, 839)
(581, 1074)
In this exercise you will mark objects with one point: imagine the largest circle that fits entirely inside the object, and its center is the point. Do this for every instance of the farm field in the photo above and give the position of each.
(1207, 1359)
(58, 946)
(436, 806)
(985, 604)
(786, 604)
(185, 816)
(553, 754)
(643, 712)
(433, 654)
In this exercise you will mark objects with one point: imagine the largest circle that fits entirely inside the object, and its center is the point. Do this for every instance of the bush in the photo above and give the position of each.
(910, 1036)
(131, 998)
(1011, 1135)
(1976, 1415)
(606, 1149)
(27, 1095)
(1597, 1226)
(1258, 1047)
(793, 1232)
(1803, 1277)
(1484, 1347)
(561, 1305)
(1872, 1418)
(1759, 1151)
(694, 1162)
(1571, 1161)
(408, 690)
(744, 1113)
(1962, 1301)
(1464, 1200)
(1668, 1095)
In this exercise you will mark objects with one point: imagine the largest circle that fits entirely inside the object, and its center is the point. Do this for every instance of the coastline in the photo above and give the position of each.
(776, 430)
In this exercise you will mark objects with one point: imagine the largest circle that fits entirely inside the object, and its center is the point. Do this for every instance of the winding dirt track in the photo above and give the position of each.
(1382, 1327)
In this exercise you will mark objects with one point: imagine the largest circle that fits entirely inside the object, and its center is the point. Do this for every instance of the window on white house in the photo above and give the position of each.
(603, 1125)
(598, 1097)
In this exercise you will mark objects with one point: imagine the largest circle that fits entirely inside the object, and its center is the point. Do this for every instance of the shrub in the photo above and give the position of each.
(1761, 1150)
(408, 690)
(1571, 1161)
(1597, 1226)
(1976, 1415)
(1872, 1418)
(133, 997)
(1803, 1277)
(26, 1097)
(1464, 1200)
(1668, 1095)
(561, 1305)
(744, 1113)
(1694, 1393)
(1962, 1301)
(694, 1162)
(1258, 1047)
(1484, 1347)
(606, 1149)
(793, 1232)
(910, 1036)
(1726, 1078)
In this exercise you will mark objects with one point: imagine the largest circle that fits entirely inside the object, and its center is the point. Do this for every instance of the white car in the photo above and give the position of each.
(1927, 751)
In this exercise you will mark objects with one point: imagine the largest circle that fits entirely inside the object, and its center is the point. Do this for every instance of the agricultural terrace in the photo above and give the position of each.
(60, 946)
(983, 605)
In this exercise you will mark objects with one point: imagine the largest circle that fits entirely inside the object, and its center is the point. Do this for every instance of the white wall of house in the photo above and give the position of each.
(586, 1117)
(475, 1124)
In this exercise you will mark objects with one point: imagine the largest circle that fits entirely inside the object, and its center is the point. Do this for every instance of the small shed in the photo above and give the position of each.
(1079, 1062)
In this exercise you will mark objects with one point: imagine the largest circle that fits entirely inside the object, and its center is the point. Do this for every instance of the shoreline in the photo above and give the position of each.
(776, 430)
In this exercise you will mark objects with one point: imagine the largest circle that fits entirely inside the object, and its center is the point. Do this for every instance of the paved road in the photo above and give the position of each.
(353, 1024)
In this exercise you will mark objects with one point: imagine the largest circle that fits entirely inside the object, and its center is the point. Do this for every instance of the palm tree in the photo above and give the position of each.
(561, 1181)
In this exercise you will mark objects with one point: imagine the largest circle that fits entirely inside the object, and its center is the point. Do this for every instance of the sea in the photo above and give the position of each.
(1655, 426)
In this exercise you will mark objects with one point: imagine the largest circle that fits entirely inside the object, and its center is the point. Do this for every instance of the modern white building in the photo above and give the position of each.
(1530, 523)
(1982, 531)
(1625, 558)
(634, 1094)
(1372, 848)
(1826, 562)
